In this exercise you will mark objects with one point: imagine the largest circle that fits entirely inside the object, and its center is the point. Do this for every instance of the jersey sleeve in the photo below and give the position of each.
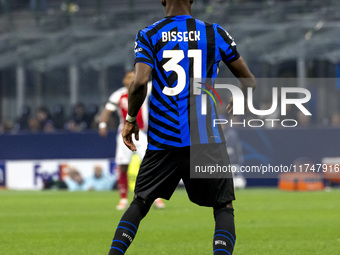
(112, 103)
(226, 45)
(143, 50)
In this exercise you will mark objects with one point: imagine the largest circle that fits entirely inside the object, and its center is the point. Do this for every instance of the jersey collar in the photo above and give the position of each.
(179, 17)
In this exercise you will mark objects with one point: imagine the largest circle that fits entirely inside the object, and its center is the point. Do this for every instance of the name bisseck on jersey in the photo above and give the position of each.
(186, 36)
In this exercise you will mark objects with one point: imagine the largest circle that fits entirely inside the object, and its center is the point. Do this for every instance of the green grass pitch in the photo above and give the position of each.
(268, 221)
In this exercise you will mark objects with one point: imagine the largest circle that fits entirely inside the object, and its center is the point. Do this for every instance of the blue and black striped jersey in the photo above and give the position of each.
(178, 49)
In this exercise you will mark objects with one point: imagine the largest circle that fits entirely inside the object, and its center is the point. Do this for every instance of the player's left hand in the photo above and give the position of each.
(231, 105)
(129, 129)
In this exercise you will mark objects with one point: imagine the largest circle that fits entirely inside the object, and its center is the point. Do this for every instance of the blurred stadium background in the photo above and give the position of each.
(56, 53)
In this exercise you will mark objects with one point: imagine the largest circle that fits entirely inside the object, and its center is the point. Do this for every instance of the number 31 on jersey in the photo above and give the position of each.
(177, 56)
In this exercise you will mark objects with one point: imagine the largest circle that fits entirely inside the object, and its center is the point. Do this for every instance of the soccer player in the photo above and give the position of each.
(118, 101)
(174, 50)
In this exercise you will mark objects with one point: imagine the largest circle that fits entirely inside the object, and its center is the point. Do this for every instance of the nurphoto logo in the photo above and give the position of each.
(302, 96)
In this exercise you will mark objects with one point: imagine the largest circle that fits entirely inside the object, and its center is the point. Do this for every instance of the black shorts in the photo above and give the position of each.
(161, 171)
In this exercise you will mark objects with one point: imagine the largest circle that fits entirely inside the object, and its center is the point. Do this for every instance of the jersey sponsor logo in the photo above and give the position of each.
(186, 36)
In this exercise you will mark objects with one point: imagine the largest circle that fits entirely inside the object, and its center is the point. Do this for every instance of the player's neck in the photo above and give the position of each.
(176, 11)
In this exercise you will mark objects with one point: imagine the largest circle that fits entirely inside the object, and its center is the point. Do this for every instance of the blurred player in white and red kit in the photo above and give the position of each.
(118, 101)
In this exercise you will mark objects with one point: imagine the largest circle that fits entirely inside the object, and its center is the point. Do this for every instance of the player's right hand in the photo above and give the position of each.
(129, 129)
(102, 131)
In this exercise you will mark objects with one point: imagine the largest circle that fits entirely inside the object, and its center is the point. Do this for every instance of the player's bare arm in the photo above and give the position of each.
(247, 80)
(104, 118)
(137, 94)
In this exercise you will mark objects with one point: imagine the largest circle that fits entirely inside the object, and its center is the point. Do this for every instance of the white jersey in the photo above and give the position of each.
(118, 101)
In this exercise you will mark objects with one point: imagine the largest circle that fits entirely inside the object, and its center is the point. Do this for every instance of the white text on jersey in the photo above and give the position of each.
(181, 36)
